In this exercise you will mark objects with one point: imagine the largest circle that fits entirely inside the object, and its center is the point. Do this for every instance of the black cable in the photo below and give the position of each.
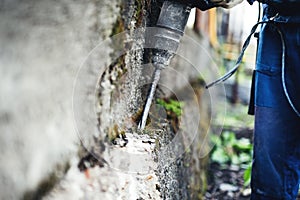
(259, 12)
(239, 60)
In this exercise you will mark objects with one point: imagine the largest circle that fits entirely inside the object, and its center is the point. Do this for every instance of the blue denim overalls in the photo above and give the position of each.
(276, 161)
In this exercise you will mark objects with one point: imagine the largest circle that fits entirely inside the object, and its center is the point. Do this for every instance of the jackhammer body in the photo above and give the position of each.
(166, 38)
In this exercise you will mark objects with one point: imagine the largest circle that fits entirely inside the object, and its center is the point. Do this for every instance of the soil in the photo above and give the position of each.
(226, 183)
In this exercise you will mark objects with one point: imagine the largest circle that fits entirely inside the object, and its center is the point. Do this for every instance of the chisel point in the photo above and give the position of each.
(155, 80)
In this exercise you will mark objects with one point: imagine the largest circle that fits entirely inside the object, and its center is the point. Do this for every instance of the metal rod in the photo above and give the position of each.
(171, 22)
(155, 81)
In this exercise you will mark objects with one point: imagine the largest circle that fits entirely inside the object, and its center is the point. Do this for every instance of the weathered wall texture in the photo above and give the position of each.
(57, 93)
(42, 44)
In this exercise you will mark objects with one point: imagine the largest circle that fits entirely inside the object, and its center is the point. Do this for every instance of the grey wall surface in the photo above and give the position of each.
(43, 43)
(57, 92)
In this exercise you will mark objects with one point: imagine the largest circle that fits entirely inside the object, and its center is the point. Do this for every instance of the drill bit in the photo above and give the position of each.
(155, 80)
(165, 41)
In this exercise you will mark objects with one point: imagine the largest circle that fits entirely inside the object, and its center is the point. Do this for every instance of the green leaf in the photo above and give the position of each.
(244, 157)
(235, 159)
(171, 105)
(220, 156)
(228, 138)
(243, 144)
(216, 140)
(247, 175)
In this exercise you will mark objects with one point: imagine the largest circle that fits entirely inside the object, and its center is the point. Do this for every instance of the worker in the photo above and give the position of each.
(276, 160)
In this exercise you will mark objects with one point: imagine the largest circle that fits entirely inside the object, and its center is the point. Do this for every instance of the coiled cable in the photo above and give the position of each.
(239, 60)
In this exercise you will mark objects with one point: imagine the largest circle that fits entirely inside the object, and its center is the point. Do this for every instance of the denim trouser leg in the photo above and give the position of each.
(275, 170)
(276, 161)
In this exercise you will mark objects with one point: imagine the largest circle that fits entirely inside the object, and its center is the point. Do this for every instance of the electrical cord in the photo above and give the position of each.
(259, 12)
(285, 89)
(239, 60)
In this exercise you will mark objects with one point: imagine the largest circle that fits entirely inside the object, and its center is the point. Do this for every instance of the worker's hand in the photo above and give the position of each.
(226, 3)
(207, 4)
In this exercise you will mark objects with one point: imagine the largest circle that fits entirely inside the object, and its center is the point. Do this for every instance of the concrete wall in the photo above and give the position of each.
(43, 43)
(62, 99)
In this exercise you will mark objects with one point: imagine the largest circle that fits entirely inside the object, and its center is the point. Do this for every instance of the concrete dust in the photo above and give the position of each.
(110, 182)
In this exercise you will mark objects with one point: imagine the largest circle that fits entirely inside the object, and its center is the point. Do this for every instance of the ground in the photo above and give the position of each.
(226, 181)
